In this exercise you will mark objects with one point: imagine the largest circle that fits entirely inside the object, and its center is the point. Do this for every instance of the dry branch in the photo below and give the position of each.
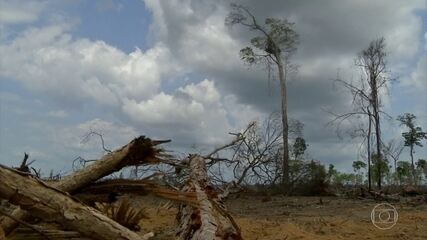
(50, 204)
(141, 150)
(210, 220)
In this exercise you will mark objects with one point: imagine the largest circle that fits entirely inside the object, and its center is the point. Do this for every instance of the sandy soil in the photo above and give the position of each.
(290, 218)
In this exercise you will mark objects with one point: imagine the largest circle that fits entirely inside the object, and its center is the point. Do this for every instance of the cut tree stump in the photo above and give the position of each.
(50, 204)
(141, 150)
(210, 220)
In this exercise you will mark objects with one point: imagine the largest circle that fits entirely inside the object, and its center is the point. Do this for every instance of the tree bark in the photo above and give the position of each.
(369, 150)
(2, 235)
(284, 110)
(51, 204)
(101, 191)
(210, 220)
(411, 149)
(378, 140)
(141, 150)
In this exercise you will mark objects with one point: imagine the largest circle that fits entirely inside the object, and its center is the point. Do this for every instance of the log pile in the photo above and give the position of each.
(70, 203)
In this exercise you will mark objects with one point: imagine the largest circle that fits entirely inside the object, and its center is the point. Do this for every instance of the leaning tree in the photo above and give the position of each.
(273, 47)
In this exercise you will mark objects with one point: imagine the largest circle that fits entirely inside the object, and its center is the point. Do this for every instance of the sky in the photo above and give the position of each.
(171, 70)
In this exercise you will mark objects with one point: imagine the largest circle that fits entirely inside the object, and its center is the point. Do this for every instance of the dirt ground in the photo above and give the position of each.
(290, 218)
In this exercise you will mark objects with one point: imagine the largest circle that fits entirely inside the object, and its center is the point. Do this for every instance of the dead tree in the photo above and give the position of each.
(210, 220)
(141, 150)
(372, 61)
(366, 97)
(256, 157)
(51, 204)
(394, 149)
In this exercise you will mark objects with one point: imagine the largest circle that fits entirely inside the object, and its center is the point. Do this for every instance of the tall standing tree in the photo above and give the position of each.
(274, 46)
(367, 98)
(413, 137)
(373, 63)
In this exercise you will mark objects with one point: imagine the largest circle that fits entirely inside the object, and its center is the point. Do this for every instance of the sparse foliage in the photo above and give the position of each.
(413, 137)
(273, 47)
(366, 98)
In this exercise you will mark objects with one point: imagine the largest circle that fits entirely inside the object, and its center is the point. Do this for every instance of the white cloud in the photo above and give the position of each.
(17, 11)
(195, 33)
(192, 114)
(417, 81)
(70, 138)
(71, 71)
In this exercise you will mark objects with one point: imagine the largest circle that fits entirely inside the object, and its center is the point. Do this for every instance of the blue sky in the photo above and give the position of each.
(170, 69)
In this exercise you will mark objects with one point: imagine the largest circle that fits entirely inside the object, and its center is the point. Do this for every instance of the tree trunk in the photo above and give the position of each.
(101, 191)
(412, 163)
(210, 220)
(50, 204)
(141, 150)
(284, 110)
(2, 235)
(369, 151)
(379, 154)
(373, 81)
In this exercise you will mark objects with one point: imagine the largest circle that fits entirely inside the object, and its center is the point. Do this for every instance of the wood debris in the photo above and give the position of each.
(83, 207)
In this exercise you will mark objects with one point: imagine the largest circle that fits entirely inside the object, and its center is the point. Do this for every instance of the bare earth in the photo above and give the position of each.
(299, 218)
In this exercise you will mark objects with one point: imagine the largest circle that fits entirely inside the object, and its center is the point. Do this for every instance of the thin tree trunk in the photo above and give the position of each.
(369, 151)
(375, 105)
(50, 204)
(412, 163)
(210, 220)
(284, 108)
(395, 170)
(139, 151)
(379, 155)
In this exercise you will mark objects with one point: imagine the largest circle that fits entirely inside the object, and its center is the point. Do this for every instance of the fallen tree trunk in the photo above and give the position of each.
(50, 204)
(51, 234)
(141, 150)
(379, 196)
(2, 236)
(210, 220)
(103, 190)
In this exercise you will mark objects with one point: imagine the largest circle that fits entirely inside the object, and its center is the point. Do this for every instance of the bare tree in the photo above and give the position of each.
(256, 157)
(273, 47)
(366, 98)
(394, 149)
(372, 61)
